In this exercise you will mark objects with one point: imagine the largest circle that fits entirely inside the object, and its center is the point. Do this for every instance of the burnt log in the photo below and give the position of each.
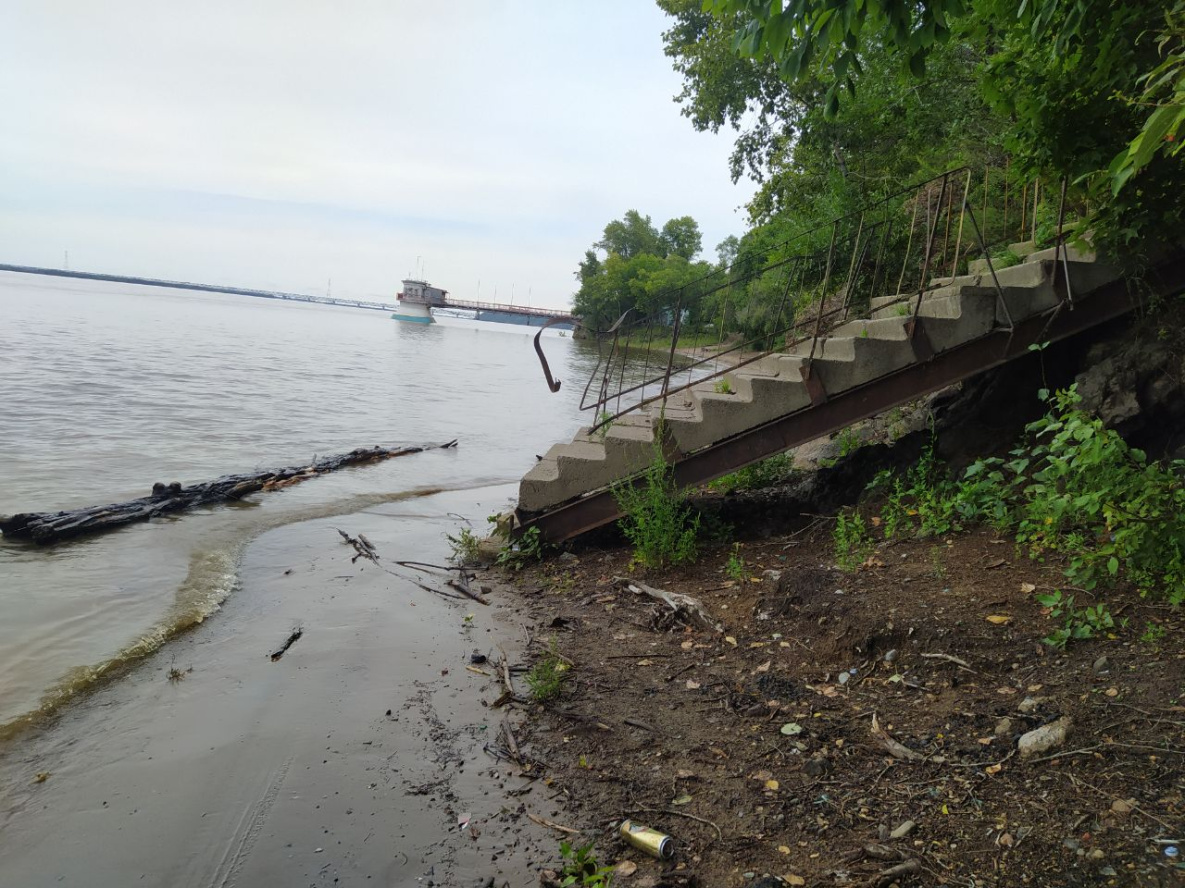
(47, 528)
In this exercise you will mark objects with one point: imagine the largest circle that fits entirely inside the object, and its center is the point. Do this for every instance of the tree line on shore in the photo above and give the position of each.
(838, 104)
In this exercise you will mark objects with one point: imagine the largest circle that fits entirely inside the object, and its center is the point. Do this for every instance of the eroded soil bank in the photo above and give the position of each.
(753, 747)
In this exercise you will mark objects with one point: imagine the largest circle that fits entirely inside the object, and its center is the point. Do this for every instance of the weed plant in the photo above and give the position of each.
(775, 470)
(466, 548)
(657, 520)
(546, 678)
(853, 542)
(581, 867)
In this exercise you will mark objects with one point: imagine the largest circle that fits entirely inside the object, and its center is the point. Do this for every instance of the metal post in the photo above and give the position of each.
(1061, 247)
(929, 249)
(823, 291)
(987, 257)
(909, 242)
(954, 266)
(666, 380)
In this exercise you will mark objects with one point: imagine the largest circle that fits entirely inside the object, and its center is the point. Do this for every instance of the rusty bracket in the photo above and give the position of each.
(923, 349)
(552, 382)
(814, 385)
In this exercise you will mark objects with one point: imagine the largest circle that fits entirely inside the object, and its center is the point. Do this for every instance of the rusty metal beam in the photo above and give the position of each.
(841, 410)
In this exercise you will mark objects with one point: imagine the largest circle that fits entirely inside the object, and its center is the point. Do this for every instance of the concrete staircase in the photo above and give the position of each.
(770, 404)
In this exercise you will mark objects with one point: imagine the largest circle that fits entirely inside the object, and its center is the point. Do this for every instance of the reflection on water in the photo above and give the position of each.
(107, 388)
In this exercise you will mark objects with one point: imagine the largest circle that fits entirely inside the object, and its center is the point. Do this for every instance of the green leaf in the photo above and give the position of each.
(1113, 565)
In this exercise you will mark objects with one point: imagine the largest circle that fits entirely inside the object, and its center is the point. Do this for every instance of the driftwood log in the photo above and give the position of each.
(46, 528)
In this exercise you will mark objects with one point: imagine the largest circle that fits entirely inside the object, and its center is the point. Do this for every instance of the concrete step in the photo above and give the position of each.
(857, 352)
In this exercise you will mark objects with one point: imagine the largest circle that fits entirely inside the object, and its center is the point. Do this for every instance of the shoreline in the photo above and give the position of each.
(352, 759)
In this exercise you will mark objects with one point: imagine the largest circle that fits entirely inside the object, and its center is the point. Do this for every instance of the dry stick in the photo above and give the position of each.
(543, 821)
(963, 664)
(506, 672)
(511, 742)
(1113, 799)
(463, 586)
(633, 722)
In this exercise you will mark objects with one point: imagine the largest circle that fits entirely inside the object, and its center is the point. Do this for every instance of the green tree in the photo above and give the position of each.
(1055, 69)
(681, 237)
(631, 236)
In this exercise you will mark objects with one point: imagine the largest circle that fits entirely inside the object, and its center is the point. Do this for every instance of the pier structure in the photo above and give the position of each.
(436, 298)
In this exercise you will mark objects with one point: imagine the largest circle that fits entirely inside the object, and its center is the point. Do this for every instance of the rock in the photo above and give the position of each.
(1071, 844)
(568, 556)
(903, 830)
(1028, 704)
(1045, 738)
(1097, 854)
(891, 656)
(1003, 727)
(772, 575)
(815, 767)
(1102, 664)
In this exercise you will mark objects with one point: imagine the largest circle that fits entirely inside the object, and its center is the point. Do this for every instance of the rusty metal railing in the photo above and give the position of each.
(882, 258)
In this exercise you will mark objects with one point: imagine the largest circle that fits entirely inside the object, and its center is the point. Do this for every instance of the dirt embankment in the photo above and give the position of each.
(754, 746)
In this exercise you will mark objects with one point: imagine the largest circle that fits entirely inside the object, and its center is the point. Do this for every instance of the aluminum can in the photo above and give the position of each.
(651, 841)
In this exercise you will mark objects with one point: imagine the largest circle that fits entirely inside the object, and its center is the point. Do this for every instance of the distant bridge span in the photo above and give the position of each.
(486, 311)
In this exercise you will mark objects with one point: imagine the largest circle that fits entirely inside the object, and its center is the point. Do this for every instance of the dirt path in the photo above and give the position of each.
(754, 748)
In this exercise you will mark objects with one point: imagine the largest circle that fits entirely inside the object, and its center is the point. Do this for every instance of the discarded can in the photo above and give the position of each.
(651, 841)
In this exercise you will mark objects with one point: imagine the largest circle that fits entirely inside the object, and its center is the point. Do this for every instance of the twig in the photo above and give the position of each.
(506, 680)
(633, 722)
(511, 742)
(895, 749)
(1113, 799)
(542, 821)
(963, 664)
(292, 639)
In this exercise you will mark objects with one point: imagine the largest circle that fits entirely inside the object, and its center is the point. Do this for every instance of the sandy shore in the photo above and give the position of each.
(347, 762)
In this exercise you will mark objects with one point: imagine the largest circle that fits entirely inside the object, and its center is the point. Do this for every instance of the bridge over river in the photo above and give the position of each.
(483, 311)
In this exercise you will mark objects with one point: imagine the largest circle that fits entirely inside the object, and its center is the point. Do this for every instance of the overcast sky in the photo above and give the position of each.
(281, 144)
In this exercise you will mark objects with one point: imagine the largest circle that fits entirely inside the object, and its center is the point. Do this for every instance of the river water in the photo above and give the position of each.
(107, 388)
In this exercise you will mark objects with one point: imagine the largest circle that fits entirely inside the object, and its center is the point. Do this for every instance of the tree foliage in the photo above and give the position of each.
(1088, 90)
(643, 268)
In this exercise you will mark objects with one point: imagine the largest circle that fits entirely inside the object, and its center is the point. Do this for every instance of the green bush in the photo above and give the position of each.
(1074, 487)
(656, 518)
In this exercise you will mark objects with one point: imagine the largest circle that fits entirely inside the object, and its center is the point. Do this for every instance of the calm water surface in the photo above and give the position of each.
(107, 388)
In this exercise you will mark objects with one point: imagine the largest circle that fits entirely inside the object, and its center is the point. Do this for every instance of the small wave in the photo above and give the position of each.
(211, 578)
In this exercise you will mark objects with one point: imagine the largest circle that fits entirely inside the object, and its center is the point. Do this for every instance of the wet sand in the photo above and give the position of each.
(252, 772)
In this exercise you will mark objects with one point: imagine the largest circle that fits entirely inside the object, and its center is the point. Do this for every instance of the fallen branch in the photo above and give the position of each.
(47, 528)
(895, 749)
(686, 609)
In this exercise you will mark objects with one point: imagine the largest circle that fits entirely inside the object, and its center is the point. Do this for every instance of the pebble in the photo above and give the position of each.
(1097, 854)
(568, 556)
(903, 830)
(1102, 664)
(1028, 704)
(1171, 851)
(1045, 738)
(1108, 871)
(891, 656)
(843, 678)
(1003, 727)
